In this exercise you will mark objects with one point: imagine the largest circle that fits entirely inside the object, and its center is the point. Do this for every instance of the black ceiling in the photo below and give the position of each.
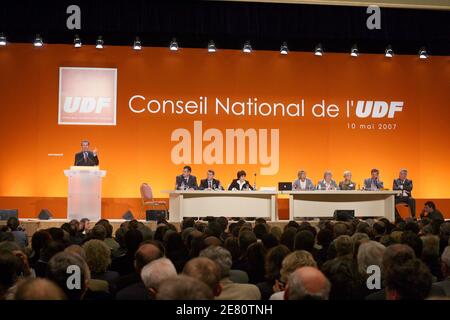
(266, 25)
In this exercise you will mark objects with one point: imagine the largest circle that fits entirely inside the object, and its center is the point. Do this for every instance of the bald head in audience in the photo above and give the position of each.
(156, 272)
(146, 254)
(307, 283)
(207, 271)
(38, 289)
(212, 241)
(183, 288)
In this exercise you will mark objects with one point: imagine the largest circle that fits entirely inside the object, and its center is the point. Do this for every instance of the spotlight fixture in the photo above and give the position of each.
(318, 51)
(247, 47)
(38, 41)
(99, 43)
(284, 48)
(389, 53)
(423, 53)
(137, 44)
(173, 46)
(212, 46)
(2, 40)
(354, 52)
(77, 41)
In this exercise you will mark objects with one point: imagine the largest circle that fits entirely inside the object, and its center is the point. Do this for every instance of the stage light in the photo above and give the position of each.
(247, 47)
(423, 53)
(38, 41)
(354, 52)
(77, 41)
(99, 43)
(212, 46)
(284, 48)
(173, 45)
(137, 44)
(2, 40)
(318, 51)
(389, 53)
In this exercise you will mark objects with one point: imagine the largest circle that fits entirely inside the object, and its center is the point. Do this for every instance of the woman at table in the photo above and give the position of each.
(302, 183)
(240, 183)
(327, 183)
(347, 183)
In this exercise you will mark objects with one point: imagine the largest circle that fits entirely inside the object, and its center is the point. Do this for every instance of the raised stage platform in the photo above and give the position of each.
(33, 225)
(114, 208)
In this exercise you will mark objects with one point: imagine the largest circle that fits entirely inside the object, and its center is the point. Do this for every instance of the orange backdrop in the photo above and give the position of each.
(138, 148)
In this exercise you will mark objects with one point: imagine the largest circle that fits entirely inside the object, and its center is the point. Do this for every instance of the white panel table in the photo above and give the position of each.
(202, 203)
(321, 203)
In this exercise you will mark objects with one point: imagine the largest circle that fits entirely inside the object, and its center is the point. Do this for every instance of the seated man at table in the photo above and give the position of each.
(405, 186)
(327, 183)
(373, 183)
(302, 183)
(86, 157)
(347, 183)
(210, 183)
(240, 183)
(186, 181)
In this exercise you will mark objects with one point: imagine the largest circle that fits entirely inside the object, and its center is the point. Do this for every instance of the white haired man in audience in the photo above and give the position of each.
(445, 265)
(230, 290)
(370, 253)
(307, 283)
(156, 272)
(57, 272)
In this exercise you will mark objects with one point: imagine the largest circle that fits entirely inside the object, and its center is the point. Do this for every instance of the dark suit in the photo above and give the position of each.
(235, 185)
(215, 184)
(89, 160)
(435, 215)
(135, 291)
(376, 183)
(407, 186)
(191, 182)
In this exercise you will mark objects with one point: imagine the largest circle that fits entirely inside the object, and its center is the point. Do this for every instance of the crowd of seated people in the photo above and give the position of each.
(225, 260)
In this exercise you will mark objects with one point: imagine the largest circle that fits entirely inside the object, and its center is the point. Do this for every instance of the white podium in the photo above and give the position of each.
(84, 199)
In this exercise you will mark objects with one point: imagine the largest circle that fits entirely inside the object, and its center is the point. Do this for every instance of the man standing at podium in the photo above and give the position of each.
(86, 157)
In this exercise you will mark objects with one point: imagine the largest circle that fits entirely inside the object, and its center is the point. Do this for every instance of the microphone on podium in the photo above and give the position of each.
(254, 182)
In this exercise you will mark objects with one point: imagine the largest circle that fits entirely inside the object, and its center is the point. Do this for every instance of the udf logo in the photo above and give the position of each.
(87, 96)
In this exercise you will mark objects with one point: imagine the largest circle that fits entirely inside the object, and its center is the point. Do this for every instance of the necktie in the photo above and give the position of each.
(85, 157)
(209, 184)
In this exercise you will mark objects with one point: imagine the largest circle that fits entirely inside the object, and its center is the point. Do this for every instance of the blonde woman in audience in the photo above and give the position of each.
(292, 262)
